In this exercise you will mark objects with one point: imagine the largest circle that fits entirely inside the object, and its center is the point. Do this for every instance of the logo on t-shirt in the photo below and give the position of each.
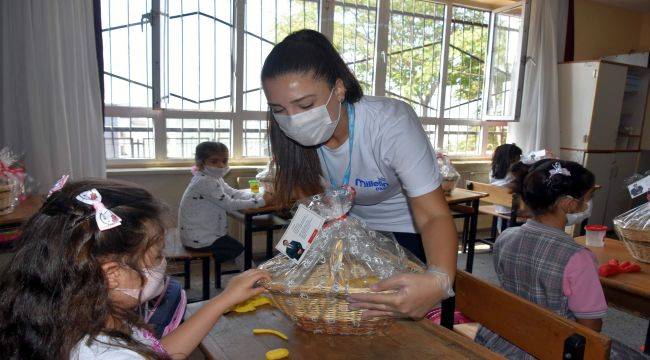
(379, 185)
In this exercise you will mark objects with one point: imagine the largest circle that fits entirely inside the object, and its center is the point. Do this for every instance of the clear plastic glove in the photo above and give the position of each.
(414, 295)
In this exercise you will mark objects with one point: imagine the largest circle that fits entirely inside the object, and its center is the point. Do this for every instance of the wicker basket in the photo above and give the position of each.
(319, 309)
(637, 242)
(6, 199)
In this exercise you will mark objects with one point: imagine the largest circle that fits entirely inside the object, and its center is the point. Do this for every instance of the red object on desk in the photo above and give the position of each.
(613, 267)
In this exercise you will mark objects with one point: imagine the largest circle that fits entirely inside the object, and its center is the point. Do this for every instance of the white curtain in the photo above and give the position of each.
(539, 123)
(50, 104)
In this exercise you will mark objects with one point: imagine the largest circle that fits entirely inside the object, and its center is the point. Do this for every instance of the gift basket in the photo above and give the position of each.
(450, 176)
(12, 177)
(344, 258)
(633, 227)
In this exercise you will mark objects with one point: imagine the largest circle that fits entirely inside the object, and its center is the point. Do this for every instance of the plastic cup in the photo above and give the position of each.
(595, 235)
(254, 186)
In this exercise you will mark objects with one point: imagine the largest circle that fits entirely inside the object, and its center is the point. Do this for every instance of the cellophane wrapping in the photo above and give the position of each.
(633, 227)
(345, 257)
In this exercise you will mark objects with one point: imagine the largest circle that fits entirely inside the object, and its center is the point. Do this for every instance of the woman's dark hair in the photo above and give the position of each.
(208, 148)
(308, 51)
(54, 291)
(303, 52)
(540, 190)
(504, 156)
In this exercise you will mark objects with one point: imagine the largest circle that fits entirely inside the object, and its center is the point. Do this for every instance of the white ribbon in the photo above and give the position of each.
(105, 218)
(558, 169)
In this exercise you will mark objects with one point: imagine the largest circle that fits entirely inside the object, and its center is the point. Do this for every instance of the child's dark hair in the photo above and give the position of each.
(540, 190)
(54, 291)
(307, 51)
(208, 148)
(504, 156)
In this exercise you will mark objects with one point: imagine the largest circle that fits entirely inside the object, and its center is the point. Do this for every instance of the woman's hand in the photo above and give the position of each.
(415, 295)
(242, 287)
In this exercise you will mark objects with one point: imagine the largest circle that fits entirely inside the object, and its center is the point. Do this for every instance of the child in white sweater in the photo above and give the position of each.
(202, 215)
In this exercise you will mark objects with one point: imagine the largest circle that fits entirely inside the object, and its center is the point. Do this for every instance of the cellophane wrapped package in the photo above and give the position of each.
(345, 257)
(633, 227)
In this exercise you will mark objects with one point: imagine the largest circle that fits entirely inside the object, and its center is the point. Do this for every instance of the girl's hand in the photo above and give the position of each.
(242, 287)
(415, 295)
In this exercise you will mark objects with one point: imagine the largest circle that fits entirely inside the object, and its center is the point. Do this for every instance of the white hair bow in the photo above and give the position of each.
(105, 218)
(558, 169)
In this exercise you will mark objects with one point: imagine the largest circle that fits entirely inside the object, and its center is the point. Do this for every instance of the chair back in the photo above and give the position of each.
(538, 331)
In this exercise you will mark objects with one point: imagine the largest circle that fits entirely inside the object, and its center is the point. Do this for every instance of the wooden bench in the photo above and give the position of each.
(538, 331)
(175, 251)
(498, 196)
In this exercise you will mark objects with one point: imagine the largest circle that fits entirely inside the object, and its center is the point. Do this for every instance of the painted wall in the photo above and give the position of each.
(644, 41)
(602, 30)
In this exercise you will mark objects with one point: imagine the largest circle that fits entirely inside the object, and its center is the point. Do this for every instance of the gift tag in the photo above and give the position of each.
(302, 231)
(640, 187)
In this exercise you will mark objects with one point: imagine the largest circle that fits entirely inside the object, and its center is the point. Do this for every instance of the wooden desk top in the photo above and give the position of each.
(23, 211)
(460, 195)
(633, 289)
(232, 338)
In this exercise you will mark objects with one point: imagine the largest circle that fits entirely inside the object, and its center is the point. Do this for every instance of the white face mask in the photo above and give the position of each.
(579, 217)
(311, 127)
(216, 171)
(154, 283)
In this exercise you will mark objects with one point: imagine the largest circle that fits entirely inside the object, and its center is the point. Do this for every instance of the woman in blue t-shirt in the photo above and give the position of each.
(325, 133)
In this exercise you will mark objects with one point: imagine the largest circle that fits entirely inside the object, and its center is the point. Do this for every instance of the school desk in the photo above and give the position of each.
(627, 292)
(232, 339)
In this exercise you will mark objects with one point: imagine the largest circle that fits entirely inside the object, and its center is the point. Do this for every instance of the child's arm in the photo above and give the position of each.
(235, 193)
(581, 285)
(216, 193)
(182, 341)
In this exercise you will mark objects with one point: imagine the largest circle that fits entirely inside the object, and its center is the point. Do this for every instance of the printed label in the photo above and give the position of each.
(300, 234)
(640, 187)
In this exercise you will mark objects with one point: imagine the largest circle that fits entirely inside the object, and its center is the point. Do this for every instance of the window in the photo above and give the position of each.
(354, 37)
(468, 44)
(461, 139)
(184, 134)
(129, 138)
(179, 72)
(416, 31)
(196, 67)
(505, 66)
(496, 135)
(127, 55)
(266, 24)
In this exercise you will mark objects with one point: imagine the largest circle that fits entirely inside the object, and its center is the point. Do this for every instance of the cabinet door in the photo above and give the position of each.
(608, 102)
(601, 166)
(618, 198)
(577, 91)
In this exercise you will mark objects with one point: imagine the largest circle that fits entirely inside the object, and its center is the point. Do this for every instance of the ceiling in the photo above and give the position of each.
(636, 5)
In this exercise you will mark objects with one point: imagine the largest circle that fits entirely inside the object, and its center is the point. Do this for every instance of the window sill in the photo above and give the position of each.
(168, 170)
(470, 161)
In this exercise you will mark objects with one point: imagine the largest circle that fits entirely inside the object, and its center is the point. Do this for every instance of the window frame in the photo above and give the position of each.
(523, 45)
(326, 11)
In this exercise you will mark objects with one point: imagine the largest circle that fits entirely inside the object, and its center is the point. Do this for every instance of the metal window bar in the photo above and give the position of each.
(360, 61)
(368, 57)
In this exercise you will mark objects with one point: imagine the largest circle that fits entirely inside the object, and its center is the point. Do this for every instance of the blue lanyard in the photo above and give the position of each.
(346, 176)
